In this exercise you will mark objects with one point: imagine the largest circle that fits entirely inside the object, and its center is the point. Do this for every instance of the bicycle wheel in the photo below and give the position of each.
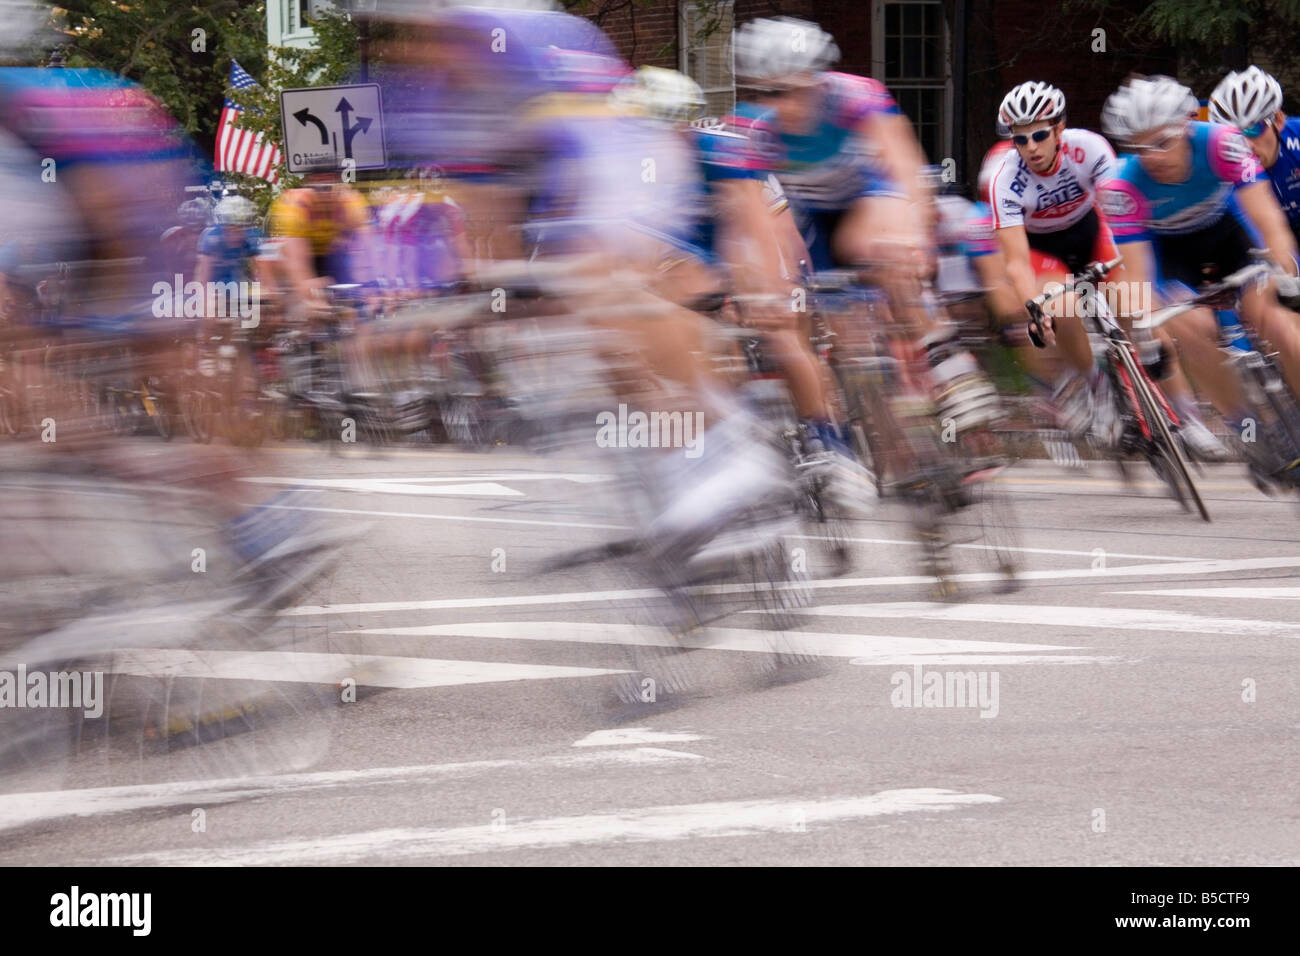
(1162, 448)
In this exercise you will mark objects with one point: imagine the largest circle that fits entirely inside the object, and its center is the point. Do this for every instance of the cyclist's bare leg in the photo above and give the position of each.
(1197, 335)
(1279, 326)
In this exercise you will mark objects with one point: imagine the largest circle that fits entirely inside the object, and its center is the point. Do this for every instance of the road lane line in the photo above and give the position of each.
(1262, 593)
(646, 824)
(634, 735)
(596, 597)
(22, 809)
(1048, 615)
(302, 667)
(385, 486)
(884, 649)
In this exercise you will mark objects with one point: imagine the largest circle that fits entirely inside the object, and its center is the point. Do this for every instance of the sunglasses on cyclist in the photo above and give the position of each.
(1038, 135)
(1255, 130)
(1163, 145)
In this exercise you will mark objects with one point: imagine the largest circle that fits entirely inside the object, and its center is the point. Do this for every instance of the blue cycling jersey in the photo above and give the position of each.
(231, 249)
(1137, 207)
(1285, 172)
(726, 151)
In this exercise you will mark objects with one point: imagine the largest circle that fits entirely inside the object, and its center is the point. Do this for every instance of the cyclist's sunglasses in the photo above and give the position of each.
(1163, 145)
(1038, 135)
(1255, 131)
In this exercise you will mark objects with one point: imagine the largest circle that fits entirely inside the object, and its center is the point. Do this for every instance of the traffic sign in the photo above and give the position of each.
(328, 125)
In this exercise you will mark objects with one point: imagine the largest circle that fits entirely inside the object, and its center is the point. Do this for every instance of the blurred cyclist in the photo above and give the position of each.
(851, 165)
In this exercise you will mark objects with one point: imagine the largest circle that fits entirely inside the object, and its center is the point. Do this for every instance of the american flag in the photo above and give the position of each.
(241, 150)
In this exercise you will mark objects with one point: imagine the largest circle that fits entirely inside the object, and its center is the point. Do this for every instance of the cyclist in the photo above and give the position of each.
(228, 249)
(745, 241)
(326, 237)
(1252, 102)
(1190, 205)
(1043, 202)
(850, 163)
(181, 242)
(1042, 199)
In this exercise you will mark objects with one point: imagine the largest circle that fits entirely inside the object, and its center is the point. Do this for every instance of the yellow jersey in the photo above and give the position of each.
(323, 220)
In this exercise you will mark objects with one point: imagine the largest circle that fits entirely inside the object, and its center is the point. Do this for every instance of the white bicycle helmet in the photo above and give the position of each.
(1145, 103)
(772, 52)
(1029, 103)
(1243, 99)
(663, 94)
(235, 211)
(194, 212)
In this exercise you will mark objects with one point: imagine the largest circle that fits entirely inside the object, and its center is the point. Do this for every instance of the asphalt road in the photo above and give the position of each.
(1136, 701)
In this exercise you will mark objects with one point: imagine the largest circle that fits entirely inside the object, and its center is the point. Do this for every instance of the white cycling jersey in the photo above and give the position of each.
(1059, 199)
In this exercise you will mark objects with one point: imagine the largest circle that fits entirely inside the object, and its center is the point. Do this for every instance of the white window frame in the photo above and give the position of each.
(878, 67)
(685, 43)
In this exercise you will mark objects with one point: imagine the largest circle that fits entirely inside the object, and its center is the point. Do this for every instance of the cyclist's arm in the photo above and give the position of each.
(900, 153)
(750, 246)
(295, 254)
(1258, 201)
(998, 291)
(203, 270)
(1014, 243)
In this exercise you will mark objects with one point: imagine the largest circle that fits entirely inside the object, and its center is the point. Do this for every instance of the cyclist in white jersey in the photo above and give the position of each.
(1044, 209)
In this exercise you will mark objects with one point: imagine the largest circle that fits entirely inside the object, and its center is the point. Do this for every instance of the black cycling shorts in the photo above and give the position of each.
(1205, 255)
(1075, 245)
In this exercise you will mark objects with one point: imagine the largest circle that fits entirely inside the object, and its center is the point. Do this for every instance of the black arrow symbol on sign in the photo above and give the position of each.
(304, 117)
(362, 125)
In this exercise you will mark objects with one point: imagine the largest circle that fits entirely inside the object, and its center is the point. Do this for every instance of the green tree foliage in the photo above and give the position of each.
(179, 51)
(333, 60)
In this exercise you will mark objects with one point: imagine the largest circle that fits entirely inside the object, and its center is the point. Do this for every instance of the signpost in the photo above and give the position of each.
(328, 126)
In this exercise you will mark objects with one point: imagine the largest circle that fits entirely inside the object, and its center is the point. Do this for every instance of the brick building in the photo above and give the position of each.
(948, 62)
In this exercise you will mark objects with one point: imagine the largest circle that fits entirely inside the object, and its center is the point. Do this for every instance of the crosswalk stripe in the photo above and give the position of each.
(385, 486)
(647, 824)
(600, 597)
(633, 735)
(22, 809)
(1265, 594)
(302, 667)
(1048, 615)
(863, 648)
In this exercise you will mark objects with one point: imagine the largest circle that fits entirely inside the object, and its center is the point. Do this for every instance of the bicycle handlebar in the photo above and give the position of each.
(1094, 272)
(1236, 280)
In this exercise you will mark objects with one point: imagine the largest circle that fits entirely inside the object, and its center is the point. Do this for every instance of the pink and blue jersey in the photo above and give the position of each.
(1139, 208)
(831, 166)
(734, 149)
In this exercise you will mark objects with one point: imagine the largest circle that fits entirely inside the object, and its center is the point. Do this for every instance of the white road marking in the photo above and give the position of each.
(990, 547)
(633, 735)
(618, 527)
(387, 486)
(1266, 594)
(21, 809)
(300, 667)
(647, 824)
(879, 649)
(599, 597)
(1048, 615)
(428, 517)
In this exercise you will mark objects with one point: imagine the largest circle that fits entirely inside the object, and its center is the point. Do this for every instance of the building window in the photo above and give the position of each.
(298, 16)
(910, 55)
(704, 41)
